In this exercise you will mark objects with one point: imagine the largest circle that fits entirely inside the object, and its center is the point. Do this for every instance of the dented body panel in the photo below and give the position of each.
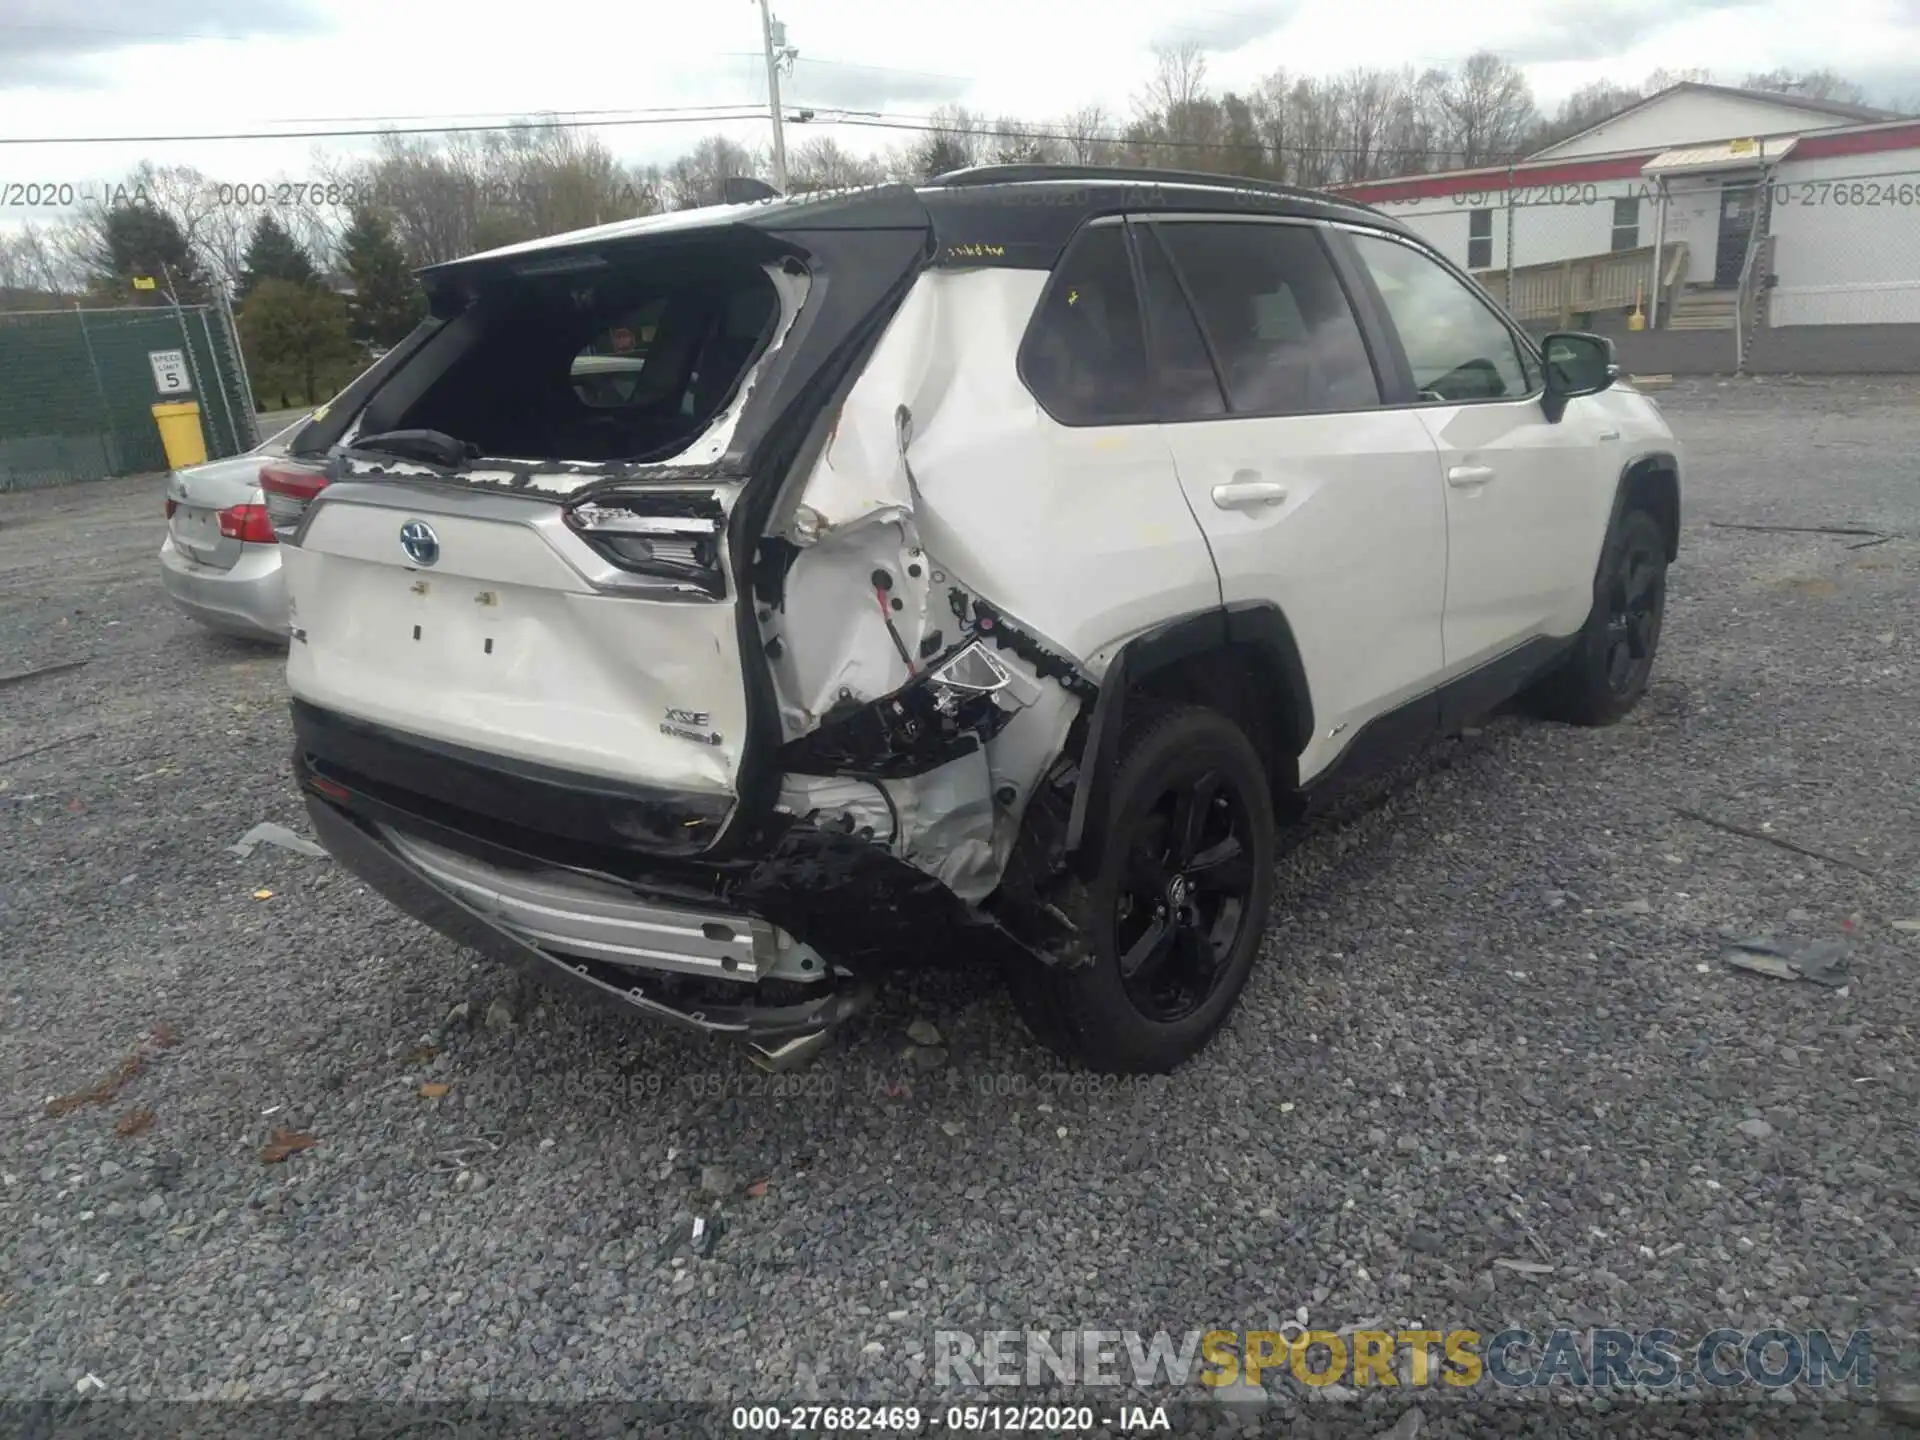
(512, 642)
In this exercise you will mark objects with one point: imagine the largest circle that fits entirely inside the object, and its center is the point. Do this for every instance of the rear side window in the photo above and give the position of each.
(627, 364)
(1458, 348)
(1188, 386)
(1273, 308)
(1085, 356)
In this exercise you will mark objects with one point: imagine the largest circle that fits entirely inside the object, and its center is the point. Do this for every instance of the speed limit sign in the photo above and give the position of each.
(170, 372)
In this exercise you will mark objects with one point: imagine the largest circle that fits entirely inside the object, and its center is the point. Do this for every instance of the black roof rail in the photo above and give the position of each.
(1139, 174)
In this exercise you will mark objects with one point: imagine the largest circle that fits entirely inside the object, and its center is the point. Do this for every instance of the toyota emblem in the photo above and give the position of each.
(420, 543)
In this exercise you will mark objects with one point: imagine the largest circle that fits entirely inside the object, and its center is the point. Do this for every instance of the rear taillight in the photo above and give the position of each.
(672, 537)
(172, 505)
(289, 490)
(248, 523)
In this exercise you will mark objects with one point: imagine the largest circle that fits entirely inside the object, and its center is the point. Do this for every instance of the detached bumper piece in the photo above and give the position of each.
(778, 1031)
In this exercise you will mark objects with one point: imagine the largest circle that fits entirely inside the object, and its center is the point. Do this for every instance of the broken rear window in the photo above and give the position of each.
(629, 363)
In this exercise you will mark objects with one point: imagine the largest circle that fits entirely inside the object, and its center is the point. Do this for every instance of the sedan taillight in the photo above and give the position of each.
(248, 523)
(172, 505)
(289, 490)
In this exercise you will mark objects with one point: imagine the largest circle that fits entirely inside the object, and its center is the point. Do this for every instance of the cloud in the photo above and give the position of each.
(840, 86)
(56, 42)
(1221, 32)
(1575, 30)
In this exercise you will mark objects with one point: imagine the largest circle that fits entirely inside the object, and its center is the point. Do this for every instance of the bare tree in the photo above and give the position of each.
(1372, 106)
(824, 164)
(41, 262)
(1009, 142)
(1489, 111)
(953, 140)
(1314, 108)
(1179, 79)
(700, 178)
(1813, 84)
(1087, 137)
(1175, 120)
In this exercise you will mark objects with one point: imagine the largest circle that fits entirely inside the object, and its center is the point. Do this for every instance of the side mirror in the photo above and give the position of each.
(1577, 364)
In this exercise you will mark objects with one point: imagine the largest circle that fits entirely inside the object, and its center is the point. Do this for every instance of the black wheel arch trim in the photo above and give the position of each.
(1260, 624)
(1651, 463)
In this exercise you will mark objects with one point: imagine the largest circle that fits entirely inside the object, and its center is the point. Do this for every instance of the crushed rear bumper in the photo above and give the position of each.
(640, 929)
(377, 860)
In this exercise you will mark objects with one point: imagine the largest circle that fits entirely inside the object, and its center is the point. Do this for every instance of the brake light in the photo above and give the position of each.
(289, 490)
(248, 523)
(172, 505)
(673, 537)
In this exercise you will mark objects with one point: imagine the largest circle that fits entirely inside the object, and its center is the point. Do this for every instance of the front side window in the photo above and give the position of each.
(1457, 346)
(1272, 306)
(1085, 359)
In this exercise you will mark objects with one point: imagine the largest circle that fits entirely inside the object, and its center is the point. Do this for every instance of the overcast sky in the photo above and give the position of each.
(133, 67)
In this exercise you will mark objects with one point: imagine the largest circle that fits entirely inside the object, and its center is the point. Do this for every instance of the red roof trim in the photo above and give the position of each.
(1816, 145)
(1858, 142)
(1461, 182)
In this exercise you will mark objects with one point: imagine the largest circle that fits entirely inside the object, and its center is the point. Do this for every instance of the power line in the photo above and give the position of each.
(677, 119)
(508, 118)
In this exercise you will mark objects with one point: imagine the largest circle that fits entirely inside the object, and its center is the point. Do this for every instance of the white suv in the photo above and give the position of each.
(975, 572)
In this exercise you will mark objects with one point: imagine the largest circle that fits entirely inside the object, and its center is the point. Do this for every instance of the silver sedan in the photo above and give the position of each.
(220, 562)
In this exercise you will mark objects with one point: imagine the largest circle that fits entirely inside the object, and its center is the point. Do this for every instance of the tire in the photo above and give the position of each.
(1606, 673)
(1160, 984)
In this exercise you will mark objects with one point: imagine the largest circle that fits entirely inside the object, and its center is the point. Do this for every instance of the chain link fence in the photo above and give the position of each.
(77, 389)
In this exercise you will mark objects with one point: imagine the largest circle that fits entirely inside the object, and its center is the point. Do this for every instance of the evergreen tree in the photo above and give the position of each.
(273, 254)
(142, 242)
(295, 336)
(386, 302)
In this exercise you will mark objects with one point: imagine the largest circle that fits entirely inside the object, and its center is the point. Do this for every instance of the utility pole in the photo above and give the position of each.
(773, 36)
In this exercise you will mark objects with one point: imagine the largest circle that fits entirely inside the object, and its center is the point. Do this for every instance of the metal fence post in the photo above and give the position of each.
(240, 368)
(186, 344)
(226, 401)
(1512, 171)
(99, 388)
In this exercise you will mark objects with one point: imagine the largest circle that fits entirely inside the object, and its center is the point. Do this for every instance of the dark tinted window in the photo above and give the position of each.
(1458, 348)
(1085, 358)
(1184, 379)
(1279, 322)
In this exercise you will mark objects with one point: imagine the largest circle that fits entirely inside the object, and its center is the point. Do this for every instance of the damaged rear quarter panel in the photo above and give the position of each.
(942, 463)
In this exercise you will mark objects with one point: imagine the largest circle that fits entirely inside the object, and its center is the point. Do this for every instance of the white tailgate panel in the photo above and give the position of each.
(575, 679)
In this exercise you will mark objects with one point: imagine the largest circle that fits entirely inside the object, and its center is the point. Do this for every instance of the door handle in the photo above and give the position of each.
(1465, 477)
(1248, 494)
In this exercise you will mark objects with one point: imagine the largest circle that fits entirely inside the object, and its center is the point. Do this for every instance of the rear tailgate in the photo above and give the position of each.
(483, 621)
(583, 619)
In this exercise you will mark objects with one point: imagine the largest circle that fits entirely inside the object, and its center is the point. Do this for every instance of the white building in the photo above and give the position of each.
(1772, 209)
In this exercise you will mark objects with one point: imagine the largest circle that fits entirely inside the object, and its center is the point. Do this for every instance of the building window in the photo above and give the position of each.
(1479, 239)
(1626, 224)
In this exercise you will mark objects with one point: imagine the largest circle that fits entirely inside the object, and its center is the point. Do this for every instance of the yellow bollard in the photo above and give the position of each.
(179, 422)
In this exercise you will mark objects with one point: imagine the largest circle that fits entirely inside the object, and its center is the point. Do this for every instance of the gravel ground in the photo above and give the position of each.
(1492, 1023)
